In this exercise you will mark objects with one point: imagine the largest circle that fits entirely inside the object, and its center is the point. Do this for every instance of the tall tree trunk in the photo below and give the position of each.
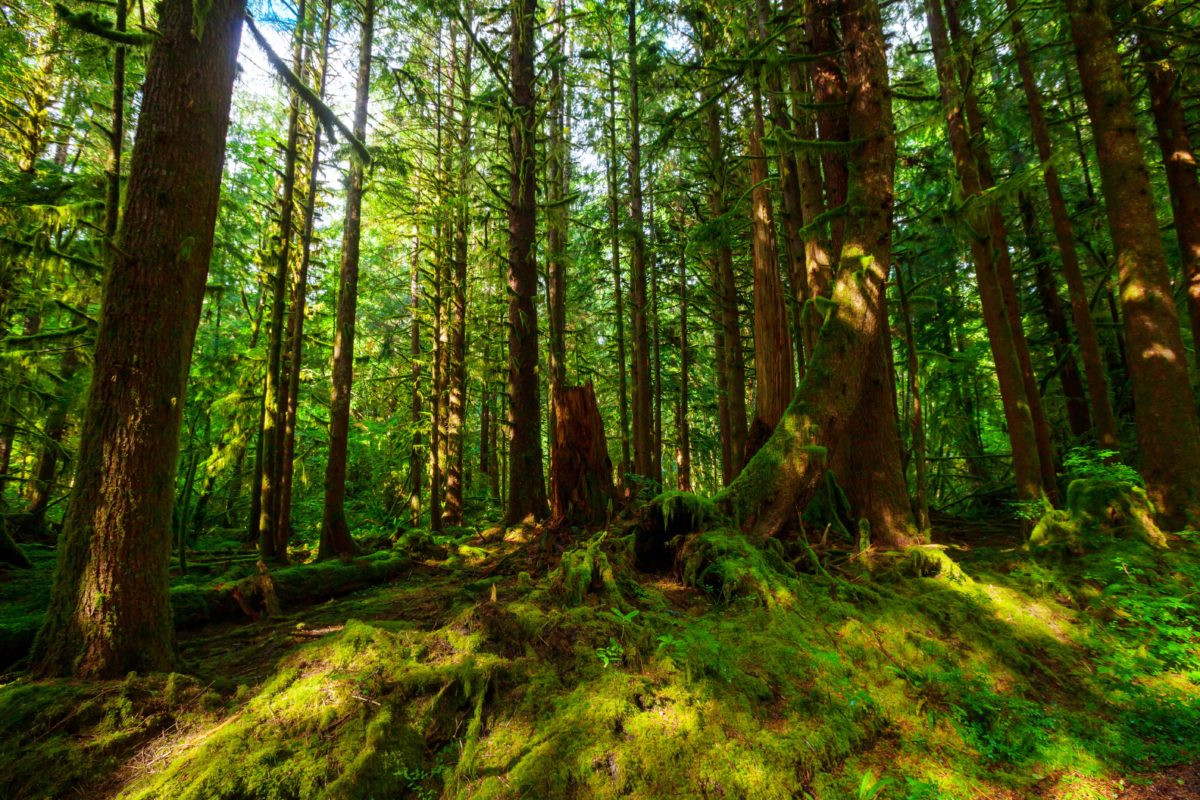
(1021, 430)
(335, 532)
(773, 368)
(452, 509)
(109, 611)
(1001, 259)
(1178, 156)
(787, 470)
(916, 417)
(643, 421)
(1168, 439)
(526, 484)
(1102, 417)
(789, 182)
(683, 434)
(731, 365)
(416, 464)
(615, 257)
(270, 545)
(116, 137)
(1056, 321)
(295, 348)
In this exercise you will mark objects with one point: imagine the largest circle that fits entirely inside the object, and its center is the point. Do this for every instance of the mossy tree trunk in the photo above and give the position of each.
(295, 349)
(110, 611)
(1165, 413)
(526, 475)
(271, 545)
(335, 532)
(786, 472)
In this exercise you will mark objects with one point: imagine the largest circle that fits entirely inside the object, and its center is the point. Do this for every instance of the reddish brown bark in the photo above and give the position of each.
(110, 611)
(774, 375)
(1021, 429)
(1179, 160)
(582, 491)
(1102, 417)
(1168, 436)
(787, 470)
(526, 482)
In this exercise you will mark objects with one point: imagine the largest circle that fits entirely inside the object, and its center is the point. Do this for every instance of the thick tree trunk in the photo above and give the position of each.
(789, 182)
(643, 421)
(526, 483)
(1168, 439)
(1102, 417)
(787, 470)
(1022, 433)
(582, 488)
(109, 611)
(1179, 160)
(773, 367)
(335, 532)
(731, 365)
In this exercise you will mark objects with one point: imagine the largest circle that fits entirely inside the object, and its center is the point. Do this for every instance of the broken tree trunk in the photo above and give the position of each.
(582, 491)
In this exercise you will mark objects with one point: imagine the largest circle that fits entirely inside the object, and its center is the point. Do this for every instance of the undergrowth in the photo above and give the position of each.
(752, 673)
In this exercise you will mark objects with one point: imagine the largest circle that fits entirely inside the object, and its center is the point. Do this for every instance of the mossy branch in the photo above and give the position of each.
(329, 120)
(93, 23)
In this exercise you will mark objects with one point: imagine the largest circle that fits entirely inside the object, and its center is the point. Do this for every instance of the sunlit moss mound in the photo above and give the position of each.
(757, 673)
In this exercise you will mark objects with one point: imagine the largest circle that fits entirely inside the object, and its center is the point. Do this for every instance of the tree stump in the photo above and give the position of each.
(582, 491)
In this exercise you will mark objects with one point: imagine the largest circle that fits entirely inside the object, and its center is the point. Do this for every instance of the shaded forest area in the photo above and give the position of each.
(599, 399)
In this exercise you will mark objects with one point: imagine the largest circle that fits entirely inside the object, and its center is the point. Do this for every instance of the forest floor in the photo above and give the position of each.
(495, 665)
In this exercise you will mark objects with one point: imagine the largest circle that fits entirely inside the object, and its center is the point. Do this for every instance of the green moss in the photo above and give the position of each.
(969, 673)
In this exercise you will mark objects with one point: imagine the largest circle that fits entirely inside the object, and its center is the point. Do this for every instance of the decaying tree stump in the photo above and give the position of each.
(582, 491)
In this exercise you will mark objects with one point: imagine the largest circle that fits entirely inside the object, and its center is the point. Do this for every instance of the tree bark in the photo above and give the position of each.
(452, 508)
(335, 532)
(1102, 417)
(526, 481)
(615, 258)
(582, 488)
(109, 611)
(1056, 321)
(1168, 439)
(1021, 430)
(773, 368)
(1179, 160)
(643, 422)
(271, 545)
(295, 348)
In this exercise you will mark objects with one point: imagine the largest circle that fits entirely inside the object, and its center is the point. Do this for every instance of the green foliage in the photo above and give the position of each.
(1089, 463)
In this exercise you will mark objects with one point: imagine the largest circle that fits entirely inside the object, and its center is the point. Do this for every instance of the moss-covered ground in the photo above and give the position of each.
(490, 670)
